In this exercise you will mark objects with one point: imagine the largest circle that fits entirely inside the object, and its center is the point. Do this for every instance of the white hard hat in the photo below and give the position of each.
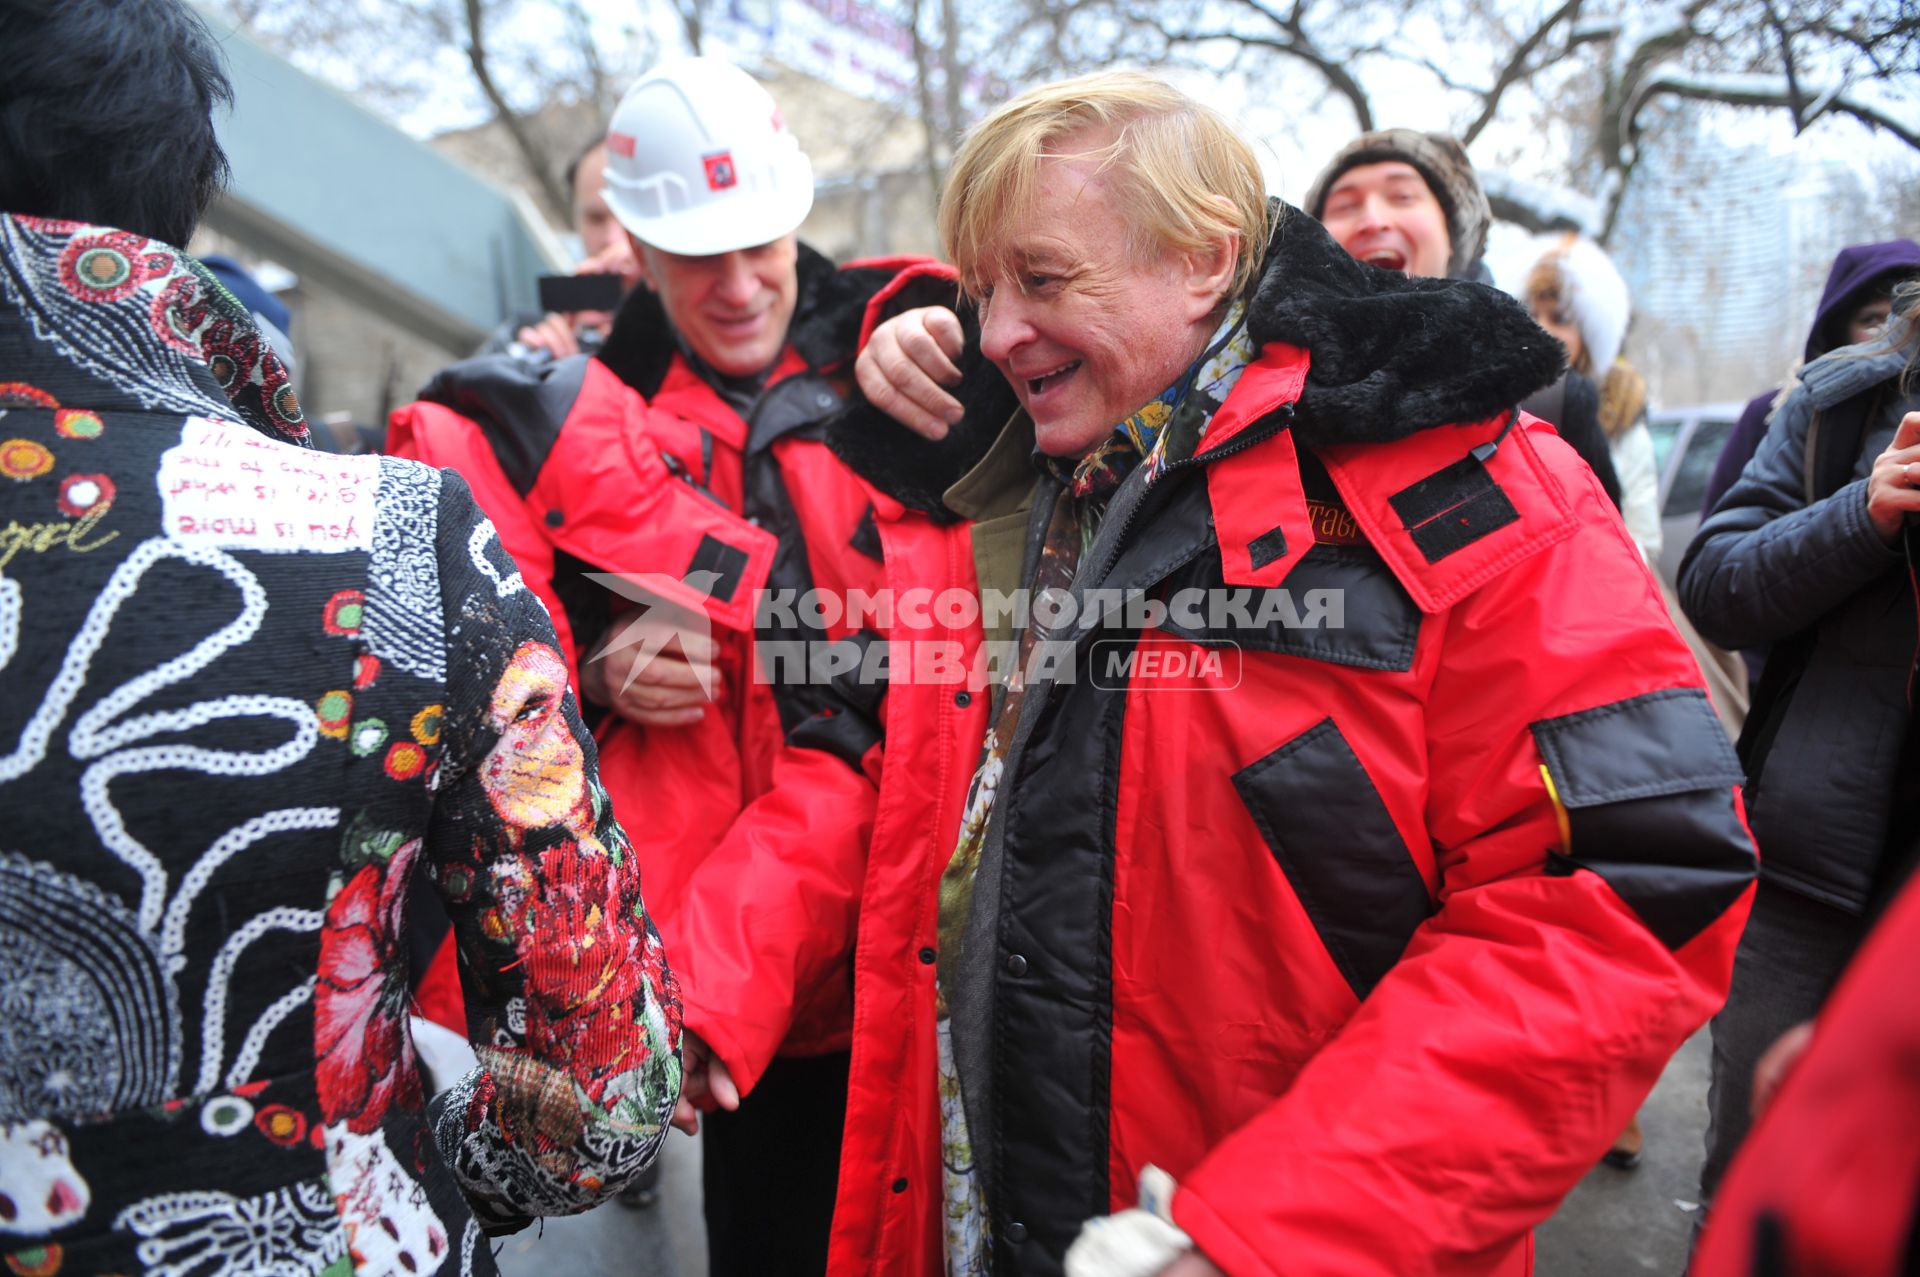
(700, 162)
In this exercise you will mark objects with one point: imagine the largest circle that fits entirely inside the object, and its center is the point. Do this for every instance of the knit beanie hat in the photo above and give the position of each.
(1449, 174)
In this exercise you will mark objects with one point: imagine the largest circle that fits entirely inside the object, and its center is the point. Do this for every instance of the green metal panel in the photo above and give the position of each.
(333, 191)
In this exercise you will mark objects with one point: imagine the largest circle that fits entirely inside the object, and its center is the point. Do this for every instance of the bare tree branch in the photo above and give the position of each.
(531, 154)
(1338, 78)
(1527, 217)
(693, 22)
(1732, 93)
(1517, 68)
(1796, 105)
(1289, 23)
(922, 83)
(580, 36)
(953, 72)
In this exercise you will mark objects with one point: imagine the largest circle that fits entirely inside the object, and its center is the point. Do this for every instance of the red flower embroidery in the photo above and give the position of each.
(106, 267)
(366, 668)
(23, 459)
(231, 352)
(284, 1126)
(335, 710)
(360, 1003)
(179, 313)
(71, 423)
(343, 612)
(18, 394)
(405, 760)
(586, 960)
(83, 494)
(276, 391)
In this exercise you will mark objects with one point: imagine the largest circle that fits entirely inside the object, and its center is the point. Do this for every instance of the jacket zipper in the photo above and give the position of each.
(678, 469)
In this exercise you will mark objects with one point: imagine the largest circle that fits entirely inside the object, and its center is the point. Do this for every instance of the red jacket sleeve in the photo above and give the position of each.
(1829, 1179)
(771, 913)
(1577, 941)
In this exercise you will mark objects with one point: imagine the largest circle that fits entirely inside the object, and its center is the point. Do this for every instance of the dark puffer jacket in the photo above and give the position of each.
(1790, 559)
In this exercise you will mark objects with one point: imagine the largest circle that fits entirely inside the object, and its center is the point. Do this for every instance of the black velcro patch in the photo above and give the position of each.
(866, 537)
(1268, 547)
(728, 563)
(1452, 508)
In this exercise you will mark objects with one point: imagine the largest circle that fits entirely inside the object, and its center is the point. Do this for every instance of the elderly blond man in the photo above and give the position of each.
(1347, 836)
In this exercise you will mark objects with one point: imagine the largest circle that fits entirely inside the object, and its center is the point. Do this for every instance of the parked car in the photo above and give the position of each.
(1686, 443)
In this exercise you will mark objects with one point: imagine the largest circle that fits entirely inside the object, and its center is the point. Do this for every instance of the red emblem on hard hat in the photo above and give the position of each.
(720, 174)
(620, 144)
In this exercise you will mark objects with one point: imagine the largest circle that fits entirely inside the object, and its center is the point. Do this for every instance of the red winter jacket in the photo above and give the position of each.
(1828, 1183)
(1373, 933)
(631, 463)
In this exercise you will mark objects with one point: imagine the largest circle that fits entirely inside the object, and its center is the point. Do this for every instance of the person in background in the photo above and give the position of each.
(1410, 201)
(1812, 552)
(648, 493)
(606, 251)
(257, 697)
(1854, 308)
(1576, 293)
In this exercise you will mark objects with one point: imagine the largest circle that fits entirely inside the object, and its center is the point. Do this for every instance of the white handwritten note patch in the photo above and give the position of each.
(229, 486)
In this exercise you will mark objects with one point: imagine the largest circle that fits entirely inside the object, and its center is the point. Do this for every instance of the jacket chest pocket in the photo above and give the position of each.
(1334, 840)
(1340, 604)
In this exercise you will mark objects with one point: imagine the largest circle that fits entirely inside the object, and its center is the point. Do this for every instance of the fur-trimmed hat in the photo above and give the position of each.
(1575, 276)
(1443, 162)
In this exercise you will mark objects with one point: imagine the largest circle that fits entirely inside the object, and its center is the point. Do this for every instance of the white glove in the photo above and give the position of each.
(1134, 1243)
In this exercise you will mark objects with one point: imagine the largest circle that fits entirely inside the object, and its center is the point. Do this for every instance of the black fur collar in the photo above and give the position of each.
(1391, 356)
(827, 314)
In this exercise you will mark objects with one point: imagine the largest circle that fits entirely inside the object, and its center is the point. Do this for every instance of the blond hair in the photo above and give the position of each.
(1181, 175)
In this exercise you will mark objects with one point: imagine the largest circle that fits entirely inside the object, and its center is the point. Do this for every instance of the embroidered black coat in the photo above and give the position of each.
(253, 696)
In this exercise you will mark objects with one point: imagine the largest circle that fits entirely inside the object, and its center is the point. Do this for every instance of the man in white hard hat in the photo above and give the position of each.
(648, 494)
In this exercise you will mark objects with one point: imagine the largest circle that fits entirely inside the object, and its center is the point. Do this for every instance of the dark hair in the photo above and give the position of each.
(106, 114)
(1833, 332)
(573, 169)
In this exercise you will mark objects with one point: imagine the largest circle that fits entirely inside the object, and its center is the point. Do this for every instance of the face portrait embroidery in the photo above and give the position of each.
(533, 775)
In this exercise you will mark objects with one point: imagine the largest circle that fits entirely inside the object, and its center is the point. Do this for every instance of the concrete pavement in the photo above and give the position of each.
(667, 1240)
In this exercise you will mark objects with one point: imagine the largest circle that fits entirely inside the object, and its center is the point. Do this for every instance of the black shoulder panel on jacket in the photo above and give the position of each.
(1453, 507)
(518, 404)
(1648, 785)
